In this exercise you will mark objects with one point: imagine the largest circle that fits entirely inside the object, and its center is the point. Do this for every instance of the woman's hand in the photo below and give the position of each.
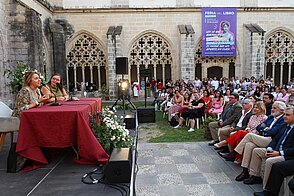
(44, 98)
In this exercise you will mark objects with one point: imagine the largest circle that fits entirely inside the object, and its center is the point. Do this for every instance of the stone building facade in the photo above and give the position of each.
(81, 40)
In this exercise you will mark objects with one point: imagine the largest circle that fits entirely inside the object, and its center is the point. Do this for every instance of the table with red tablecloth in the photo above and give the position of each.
(62, 126)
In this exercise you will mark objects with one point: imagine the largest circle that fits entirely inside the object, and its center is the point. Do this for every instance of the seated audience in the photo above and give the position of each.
(177, 101)
(231, 113)
(278, 172)
(267, 130)
(283, 95)
(281, 148)
(258, 117)
(29, 95)
(268, 100)
(195, 111)
(207, 99)
(54, 88)
(217, 105)
(290, 100)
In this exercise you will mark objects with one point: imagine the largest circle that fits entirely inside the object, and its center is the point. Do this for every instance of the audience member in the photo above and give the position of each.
(281, 148)
(258, 117)
(217, 105)
(267, 130)
(195, 111)
(231, 113)
(278, 172)
(268, 100)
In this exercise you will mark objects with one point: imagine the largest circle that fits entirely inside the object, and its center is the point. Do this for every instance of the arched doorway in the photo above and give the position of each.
(215, 71)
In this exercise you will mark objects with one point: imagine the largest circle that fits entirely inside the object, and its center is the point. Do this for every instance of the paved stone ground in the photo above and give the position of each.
(182, 169)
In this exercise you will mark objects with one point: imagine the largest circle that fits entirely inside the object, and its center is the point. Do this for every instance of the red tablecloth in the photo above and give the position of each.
(60, 127)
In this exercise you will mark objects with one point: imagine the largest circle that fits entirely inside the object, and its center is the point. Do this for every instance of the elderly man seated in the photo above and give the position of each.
(281, 148)
(231, 113)
(268, 129)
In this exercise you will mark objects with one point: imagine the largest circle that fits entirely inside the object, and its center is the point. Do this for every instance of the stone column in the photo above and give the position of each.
(254, 48)
(111, 65)
(187, 52)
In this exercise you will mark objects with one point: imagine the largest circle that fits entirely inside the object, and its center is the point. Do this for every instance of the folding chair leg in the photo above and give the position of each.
(2, 139)
(197, 123)
(11, 138)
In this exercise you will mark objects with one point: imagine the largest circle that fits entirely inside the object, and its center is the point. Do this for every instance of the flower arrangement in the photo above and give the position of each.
(112, 133)
(16, 75)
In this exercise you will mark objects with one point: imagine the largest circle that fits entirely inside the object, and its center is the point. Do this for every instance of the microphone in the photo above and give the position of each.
(55, 98)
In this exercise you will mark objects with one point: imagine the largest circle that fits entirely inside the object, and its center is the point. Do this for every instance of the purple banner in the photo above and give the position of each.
(219, 27)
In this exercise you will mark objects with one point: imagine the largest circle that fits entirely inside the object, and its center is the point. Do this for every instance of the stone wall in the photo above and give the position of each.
(4, 89)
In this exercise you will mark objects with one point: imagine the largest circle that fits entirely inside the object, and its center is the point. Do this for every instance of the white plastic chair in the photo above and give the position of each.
(8, 123)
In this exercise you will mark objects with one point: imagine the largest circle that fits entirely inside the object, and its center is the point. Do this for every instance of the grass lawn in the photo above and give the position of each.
(167, 133)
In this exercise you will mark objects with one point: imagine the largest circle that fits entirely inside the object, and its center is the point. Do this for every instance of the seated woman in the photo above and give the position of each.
(258, 117)
(217, 105)
(186, 103)
(195, 111)
(177, 101)
(208, 100)
(29, 95)
(54, 88)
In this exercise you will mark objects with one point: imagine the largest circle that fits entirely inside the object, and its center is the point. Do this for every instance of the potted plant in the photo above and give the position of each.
(16, 75)
(111, 132)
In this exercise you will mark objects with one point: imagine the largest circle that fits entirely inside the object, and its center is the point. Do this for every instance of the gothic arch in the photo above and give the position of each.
(209, 62)
(86, 60)
(151, 49)
(279, 51)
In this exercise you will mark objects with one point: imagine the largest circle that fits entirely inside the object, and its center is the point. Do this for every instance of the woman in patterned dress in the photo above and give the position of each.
(29, 95)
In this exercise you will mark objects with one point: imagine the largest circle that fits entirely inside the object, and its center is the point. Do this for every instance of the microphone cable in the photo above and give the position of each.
(90, 178)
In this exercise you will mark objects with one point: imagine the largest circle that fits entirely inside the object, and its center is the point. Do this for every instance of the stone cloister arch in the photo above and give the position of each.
(279, 59)
(202, 64)
(86, 61)
(151, 50)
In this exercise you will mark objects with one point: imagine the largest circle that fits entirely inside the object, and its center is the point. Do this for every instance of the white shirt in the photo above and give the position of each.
(239, 124)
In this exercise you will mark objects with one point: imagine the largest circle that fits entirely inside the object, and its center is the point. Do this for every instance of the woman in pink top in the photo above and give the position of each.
(283, 95)
(217, 105)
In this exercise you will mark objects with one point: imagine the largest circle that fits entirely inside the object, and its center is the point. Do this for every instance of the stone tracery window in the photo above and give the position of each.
(151, 51)
(86, 62)
(279, 58)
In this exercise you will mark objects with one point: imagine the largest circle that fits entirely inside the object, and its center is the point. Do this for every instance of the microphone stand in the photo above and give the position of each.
(55, 101)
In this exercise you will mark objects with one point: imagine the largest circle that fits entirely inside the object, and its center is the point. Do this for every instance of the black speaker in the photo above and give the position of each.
(146, 115)
(121, 65)
(130, 121)
(118, 168)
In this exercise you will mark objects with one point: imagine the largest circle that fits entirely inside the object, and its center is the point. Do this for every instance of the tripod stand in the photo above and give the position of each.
(123, 96)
